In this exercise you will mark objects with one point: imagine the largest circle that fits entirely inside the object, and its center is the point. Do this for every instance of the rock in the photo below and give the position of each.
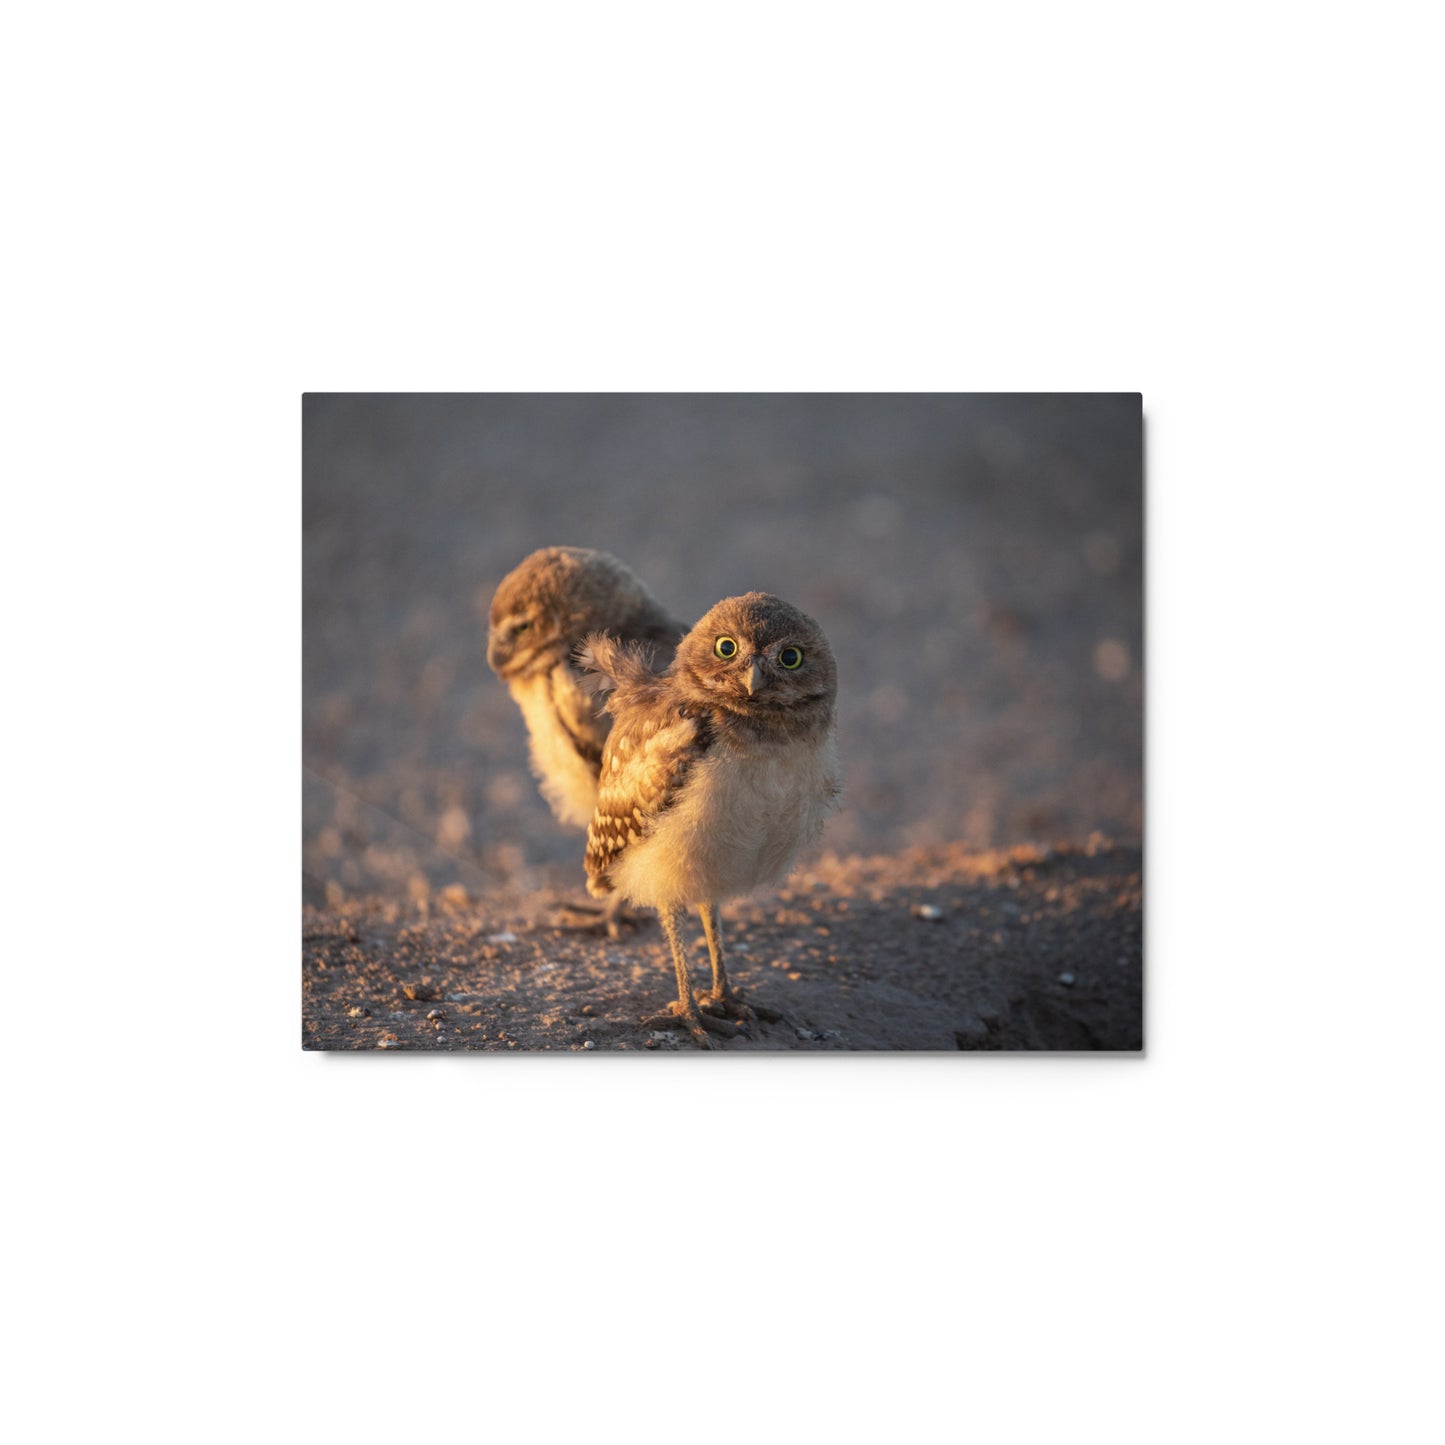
(436, 1014)
(504, 937)
(928, 912)
(1067, 979)
(388, 1041)
(589, 1043)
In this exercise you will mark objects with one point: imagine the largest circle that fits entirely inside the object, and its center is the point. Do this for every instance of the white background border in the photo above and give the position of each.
(1232, 211)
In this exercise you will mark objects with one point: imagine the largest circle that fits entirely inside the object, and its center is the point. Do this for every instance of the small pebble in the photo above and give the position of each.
(501, 938)
(589, 1043)
(588, 1011)
(1067, 979)
(436, 1013)
(928, 912)
(388, 1041)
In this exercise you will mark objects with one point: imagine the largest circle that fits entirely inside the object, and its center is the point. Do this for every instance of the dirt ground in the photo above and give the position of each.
(977, 564)
(943, 948)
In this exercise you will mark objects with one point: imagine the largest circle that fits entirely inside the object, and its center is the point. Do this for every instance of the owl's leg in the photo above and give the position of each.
(719, 998)
(684, 1007)
(722, 997)
(615, 914)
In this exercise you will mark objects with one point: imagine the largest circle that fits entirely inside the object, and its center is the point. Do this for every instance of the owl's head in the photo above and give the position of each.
(553, 599)
(759, 658)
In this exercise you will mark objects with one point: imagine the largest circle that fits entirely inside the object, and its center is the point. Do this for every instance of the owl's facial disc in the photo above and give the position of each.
(513, 641)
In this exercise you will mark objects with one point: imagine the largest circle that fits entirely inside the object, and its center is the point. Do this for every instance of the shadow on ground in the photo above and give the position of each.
(936, 948)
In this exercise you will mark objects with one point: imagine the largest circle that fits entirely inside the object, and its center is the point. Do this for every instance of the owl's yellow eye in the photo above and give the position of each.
(791, 657)
(725, 647)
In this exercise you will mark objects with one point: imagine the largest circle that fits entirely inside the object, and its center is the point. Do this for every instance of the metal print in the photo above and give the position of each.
(722, 723)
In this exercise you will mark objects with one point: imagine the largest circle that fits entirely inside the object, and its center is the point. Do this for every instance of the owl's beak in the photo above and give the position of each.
(755, 676)
(497, 650)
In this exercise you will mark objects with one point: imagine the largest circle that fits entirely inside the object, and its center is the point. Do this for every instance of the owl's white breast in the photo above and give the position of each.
(740, 820)
(564, 776)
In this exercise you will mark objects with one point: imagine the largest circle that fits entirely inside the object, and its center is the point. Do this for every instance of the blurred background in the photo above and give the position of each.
(976, 561)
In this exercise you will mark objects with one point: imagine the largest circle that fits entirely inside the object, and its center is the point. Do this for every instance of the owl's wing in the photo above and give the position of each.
(578, 712)
(649, 752)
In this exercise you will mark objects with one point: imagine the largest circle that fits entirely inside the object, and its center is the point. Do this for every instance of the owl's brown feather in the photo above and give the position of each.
(645, 761)
(538, 615)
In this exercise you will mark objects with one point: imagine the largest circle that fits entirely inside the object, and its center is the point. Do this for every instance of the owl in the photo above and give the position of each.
(715, 775)
(539, 614)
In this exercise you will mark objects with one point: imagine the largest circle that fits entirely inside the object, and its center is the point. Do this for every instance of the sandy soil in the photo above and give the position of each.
(943, 948)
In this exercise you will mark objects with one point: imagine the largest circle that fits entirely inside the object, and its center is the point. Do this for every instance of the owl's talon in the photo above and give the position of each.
(698, 1026)
(726, 1003)
(739, 1013)
(661, 1021)
(610, 918)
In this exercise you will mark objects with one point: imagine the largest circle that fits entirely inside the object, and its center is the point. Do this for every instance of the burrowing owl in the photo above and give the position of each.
(540, 613)
(714, 775)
